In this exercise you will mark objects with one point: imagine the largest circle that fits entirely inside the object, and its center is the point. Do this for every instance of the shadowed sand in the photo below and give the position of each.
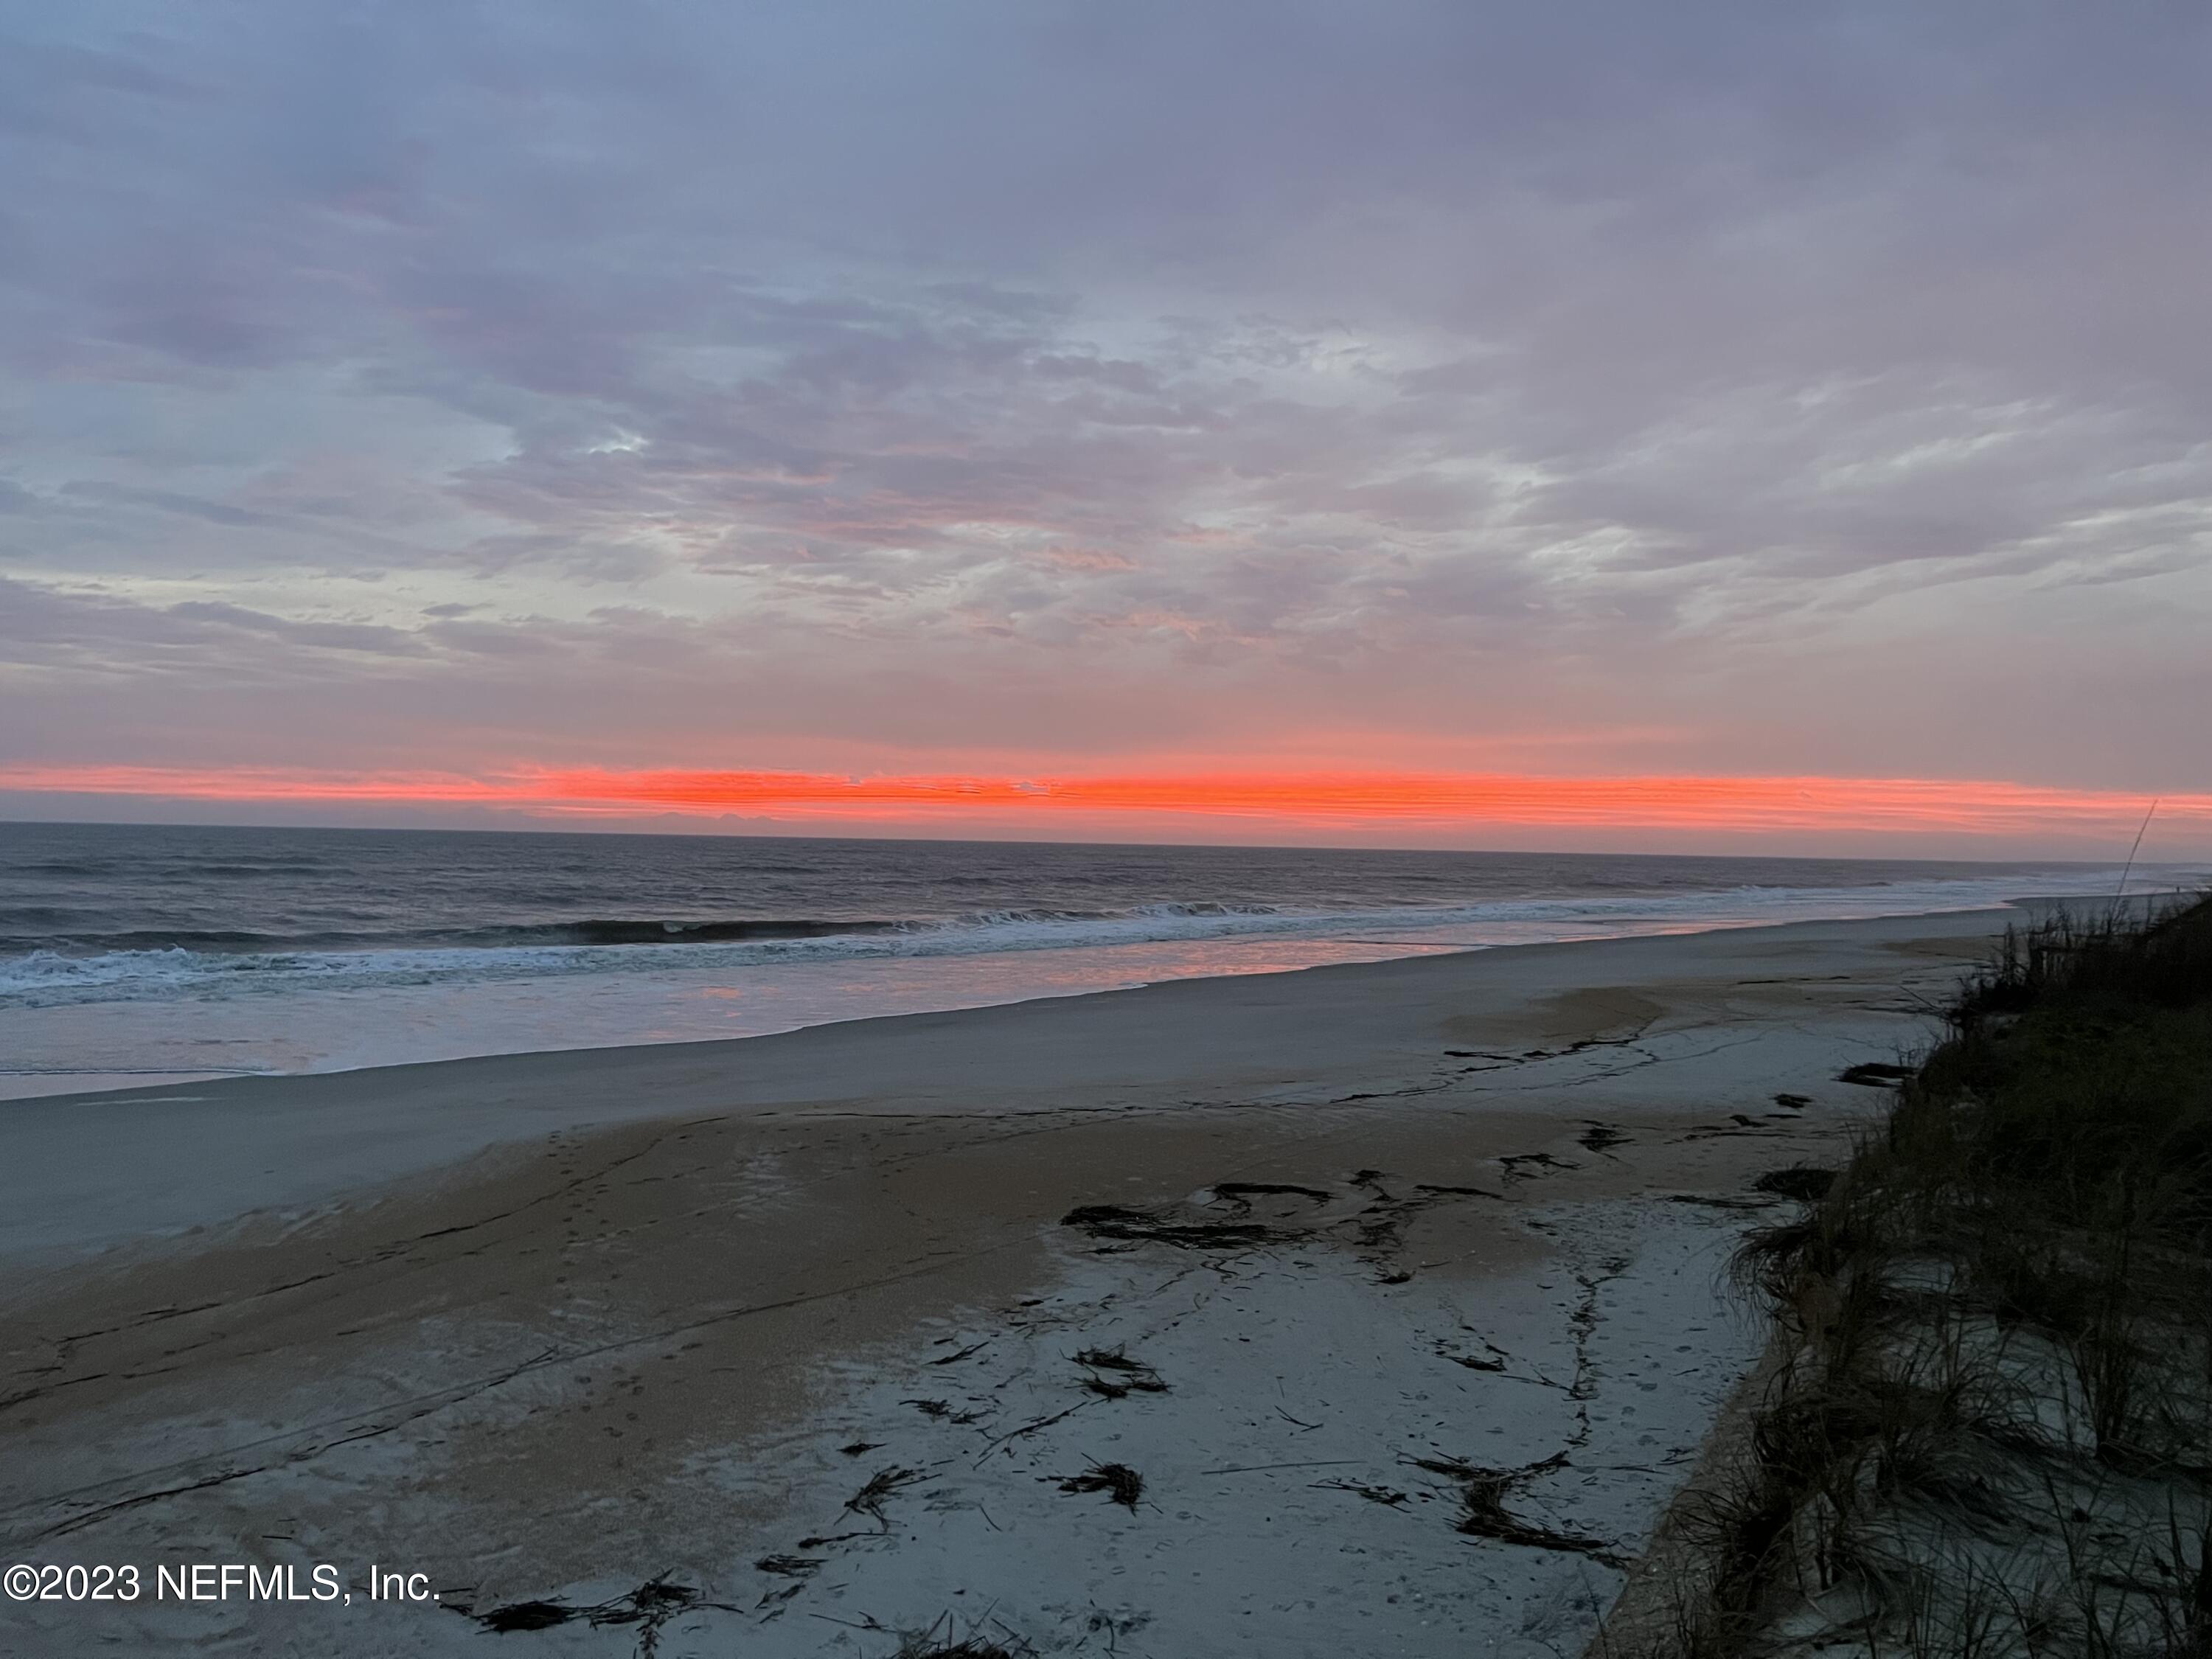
(1372, 1309)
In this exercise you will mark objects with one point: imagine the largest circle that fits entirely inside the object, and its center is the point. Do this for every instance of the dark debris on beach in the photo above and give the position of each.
(1120, 1482)
(648, 1607)
(869, 1500)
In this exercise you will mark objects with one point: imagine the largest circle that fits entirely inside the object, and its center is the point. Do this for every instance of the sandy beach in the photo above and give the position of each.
(1365, 1310)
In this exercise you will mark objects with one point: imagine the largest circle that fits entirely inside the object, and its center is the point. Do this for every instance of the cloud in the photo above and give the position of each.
(1259, 378)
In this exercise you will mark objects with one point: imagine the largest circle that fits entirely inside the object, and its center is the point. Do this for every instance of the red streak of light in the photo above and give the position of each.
(1307, 798)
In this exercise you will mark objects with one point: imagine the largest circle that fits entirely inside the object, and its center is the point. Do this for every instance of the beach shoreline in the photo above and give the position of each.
(322, 1136)
(1445, 1219)
(172, 958)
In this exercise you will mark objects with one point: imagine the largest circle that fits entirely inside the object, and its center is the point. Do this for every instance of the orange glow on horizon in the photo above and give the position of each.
(1307, 799)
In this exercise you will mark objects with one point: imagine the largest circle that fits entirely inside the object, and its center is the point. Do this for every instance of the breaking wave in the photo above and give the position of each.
(221, 965)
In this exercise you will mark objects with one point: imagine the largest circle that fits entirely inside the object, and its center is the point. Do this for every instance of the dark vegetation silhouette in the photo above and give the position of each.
(1990, 1426)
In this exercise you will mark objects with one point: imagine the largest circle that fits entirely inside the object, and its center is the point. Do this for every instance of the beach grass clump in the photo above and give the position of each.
(1991, 1430)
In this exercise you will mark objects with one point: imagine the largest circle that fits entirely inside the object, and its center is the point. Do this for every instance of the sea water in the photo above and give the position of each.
(133, 953)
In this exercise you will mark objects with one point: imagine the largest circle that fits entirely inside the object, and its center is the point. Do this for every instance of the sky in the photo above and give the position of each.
(1587, 423)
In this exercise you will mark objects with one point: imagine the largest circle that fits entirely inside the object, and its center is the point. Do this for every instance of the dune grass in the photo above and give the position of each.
(1994, 1434)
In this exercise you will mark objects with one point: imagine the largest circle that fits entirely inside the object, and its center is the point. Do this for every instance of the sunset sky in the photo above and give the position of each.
(1691, 426)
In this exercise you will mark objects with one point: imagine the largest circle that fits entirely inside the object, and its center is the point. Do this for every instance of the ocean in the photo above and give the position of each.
(130, 954)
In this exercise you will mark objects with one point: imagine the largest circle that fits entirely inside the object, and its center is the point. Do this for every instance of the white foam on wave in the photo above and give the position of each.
(46, 978)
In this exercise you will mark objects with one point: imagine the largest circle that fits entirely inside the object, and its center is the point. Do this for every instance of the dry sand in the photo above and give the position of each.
(1399, 1288)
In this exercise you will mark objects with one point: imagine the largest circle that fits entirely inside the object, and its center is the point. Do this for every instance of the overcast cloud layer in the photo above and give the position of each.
(1562, 387)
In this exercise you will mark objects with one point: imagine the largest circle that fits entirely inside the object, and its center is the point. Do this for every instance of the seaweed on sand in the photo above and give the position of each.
(1239, 1191)
(1874, 1074)
(1119, 1481)
(648, 1607)
(1518, 1164)
(966, 1647)
(1109, 1359)
(1475, 1364)
(1378, 1231)
(1130, 1376)
(1229, 1220)
(528, 1615)
(869, 1500)
(1161, 1226)
(939, 1642)
(1483, 1514)
(1225, 1220)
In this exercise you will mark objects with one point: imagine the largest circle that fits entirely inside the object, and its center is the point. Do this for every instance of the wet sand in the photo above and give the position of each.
(1375, 1309)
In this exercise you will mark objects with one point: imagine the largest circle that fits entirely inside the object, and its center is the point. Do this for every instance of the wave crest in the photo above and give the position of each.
(159, 967)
